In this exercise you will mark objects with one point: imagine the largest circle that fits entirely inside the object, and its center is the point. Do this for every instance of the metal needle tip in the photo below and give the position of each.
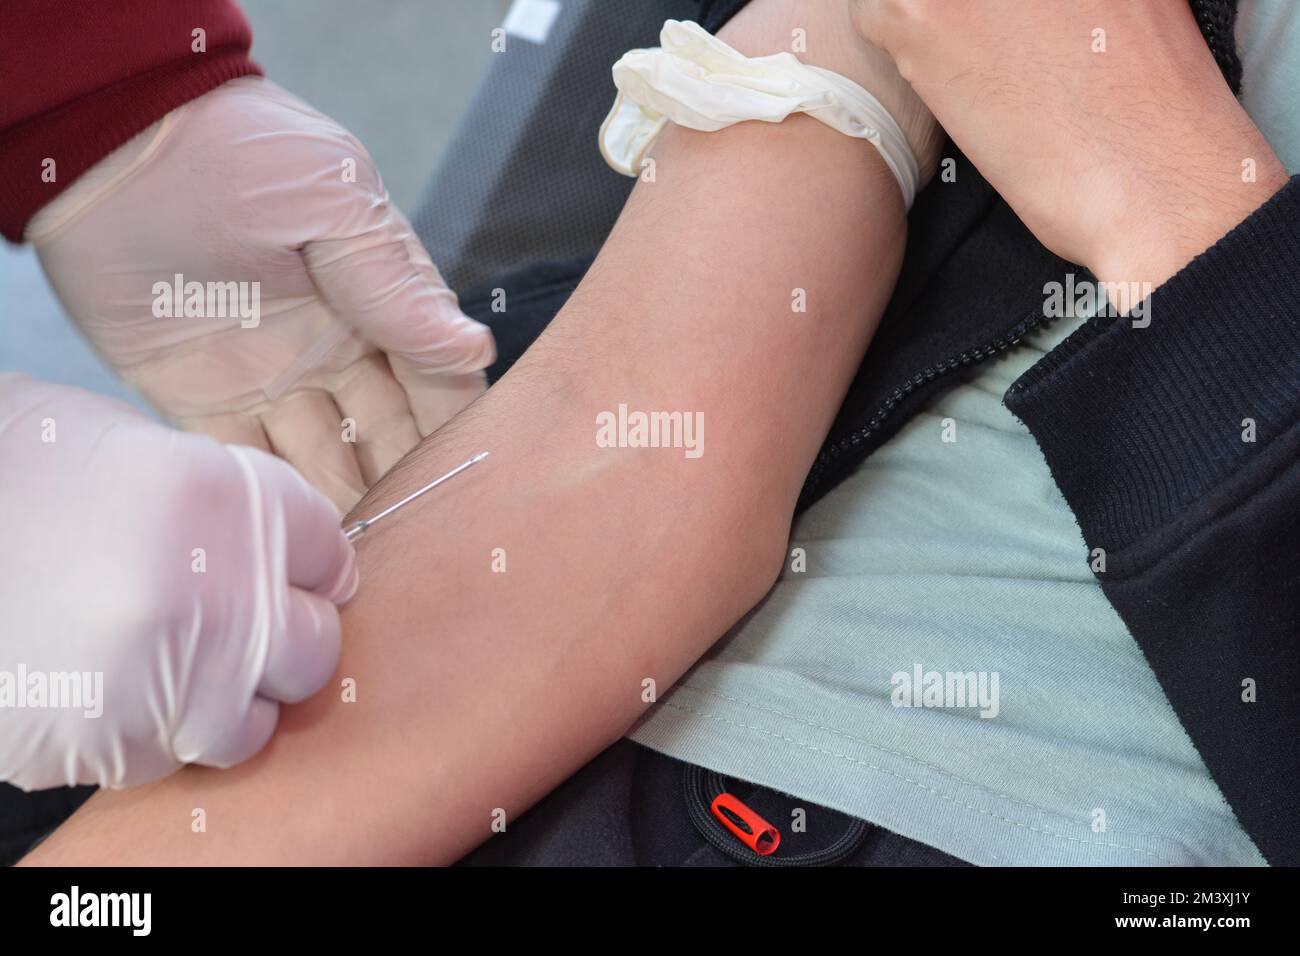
(359, 528)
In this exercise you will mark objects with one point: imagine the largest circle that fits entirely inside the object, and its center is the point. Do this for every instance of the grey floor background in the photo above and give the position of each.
(397, 73)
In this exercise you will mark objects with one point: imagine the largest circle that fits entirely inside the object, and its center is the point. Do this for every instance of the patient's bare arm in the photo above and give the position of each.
(477, 690)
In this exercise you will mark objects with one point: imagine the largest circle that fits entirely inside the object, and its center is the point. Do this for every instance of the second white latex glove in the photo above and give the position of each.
(166, 592)
(358, 347)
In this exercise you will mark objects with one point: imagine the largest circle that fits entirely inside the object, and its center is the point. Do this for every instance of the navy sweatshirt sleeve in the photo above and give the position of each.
(1178, 448)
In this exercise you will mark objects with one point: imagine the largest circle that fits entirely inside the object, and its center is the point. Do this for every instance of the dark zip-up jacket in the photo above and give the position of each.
(1144, 431)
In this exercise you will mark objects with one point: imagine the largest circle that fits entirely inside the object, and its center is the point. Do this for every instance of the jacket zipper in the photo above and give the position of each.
(927, 375)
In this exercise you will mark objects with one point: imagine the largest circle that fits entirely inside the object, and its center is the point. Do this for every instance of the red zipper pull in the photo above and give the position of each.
(751, 829)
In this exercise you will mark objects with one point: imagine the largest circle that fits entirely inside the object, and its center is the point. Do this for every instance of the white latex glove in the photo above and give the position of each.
(248, 183)
(98, 575)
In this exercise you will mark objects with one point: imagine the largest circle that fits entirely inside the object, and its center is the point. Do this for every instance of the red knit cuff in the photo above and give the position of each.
(78, 134)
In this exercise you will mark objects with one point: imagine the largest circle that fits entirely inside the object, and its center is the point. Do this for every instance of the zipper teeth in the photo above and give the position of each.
(983, 352)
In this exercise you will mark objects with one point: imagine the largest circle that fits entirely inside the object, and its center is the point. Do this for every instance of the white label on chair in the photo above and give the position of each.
(532, 19)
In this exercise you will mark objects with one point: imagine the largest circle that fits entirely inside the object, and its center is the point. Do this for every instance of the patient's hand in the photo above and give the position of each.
(1105, 124)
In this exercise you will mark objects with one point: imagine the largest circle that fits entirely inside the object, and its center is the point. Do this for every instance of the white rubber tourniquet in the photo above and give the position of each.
(696, 80)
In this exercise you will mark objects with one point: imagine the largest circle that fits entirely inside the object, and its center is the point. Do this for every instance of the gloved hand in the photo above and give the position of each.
(248, 184)
(199, 579)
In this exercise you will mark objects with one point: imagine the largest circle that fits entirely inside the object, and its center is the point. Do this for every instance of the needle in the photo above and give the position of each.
(356, 530)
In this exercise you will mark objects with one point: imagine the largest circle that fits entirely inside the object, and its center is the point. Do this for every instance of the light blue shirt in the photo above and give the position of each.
(950, 575)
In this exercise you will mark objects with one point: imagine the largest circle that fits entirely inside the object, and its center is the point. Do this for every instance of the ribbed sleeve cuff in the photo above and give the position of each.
(80, 133)
(1136, 424)
(714, 14)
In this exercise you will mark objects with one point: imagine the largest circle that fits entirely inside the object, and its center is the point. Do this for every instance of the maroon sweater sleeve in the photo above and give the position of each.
(78, 78)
